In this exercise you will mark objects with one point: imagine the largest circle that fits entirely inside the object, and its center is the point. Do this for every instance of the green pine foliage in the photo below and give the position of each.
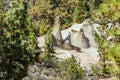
(109, 11)
(17, 40)
(80, 12)
(73, 70)
(47, 56)
(44, 12)
(109, 52)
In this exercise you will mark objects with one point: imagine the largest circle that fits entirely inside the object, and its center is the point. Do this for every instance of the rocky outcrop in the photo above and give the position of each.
(57, 31)
(79, 39)
(76, 37)
(88, 28)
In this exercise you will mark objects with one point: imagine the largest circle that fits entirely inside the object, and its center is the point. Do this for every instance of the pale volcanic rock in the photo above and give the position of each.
(88, 54)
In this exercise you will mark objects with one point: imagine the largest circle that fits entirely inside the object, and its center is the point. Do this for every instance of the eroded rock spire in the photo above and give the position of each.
(57, 30)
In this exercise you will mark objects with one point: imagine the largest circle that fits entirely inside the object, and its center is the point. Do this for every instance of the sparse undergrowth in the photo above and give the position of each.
(73, 70)
(109, 54)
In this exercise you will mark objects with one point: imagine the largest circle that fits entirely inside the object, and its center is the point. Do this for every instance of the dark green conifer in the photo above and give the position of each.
(17, 41)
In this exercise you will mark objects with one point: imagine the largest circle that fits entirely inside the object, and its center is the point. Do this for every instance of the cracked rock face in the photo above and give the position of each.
(79, 39)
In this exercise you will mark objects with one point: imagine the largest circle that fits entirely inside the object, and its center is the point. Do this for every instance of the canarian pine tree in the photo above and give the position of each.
(17, 42)
(44, 12)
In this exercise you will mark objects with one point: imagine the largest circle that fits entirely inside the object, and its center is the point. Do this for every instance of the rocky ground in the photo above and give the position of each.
(36, 72)
(87, 57)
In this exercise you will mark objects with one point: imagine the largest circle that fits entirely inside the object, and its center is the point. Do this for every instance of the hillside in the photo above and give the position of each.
(59, 39)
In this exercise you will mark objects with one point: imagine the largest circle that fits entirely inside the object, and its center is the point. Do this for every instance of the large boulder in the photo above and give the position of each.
(66, 32)
(88, 28)
(79, 39)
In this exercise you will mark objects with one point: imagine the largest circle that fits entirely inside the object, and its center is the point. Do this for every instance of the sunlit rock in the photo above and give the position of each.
(79, 39)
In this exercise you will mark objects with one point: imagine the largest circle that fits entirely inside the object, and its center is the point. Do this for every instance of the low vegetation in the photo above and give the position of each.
(18, 42)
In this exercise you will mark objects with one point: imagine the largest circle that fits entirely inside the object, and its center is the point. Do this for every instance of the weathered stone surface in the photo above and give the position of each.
(57, 29)
(88, 28)
(87, 57)
(79, 39)
(57, 32)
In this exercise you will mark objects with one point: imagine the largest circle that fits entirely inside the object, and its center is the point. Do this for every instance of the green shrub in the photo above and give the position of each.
(109, 50)
(47, 55)
(18, 43)
(73, 70)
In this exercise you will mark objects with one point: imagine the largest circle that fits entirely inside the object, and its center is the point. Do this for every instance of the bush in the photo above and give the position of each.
(109, 51)
(72, 70)
(47, 56)
(18, 43)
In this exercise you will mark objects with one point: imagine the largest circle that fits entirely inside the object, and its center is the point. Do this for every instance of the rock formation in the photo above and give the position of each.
(88, 28)
(79, 39)
(74, 38)
(57, 31)
(67, 43)
(75, 41)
